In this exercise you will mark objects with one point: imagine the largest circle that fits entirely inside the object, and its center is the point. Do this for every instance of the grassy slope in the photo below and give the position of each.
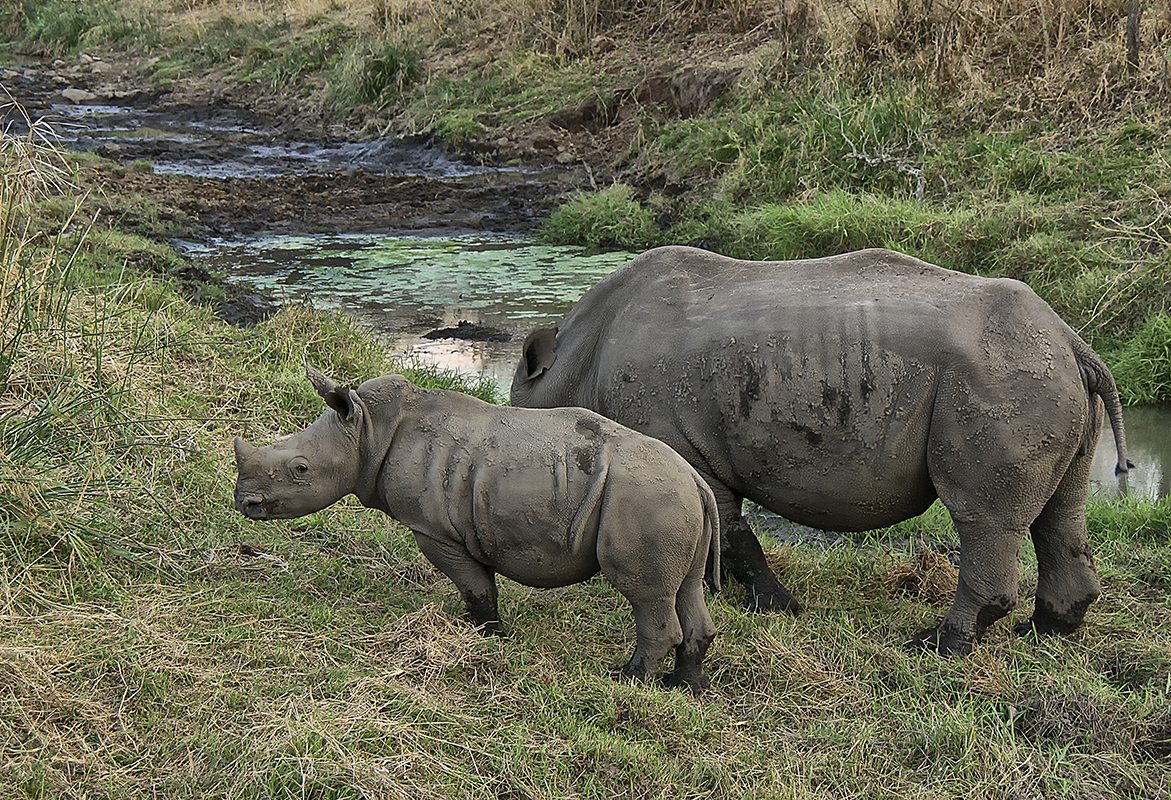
(145, 652)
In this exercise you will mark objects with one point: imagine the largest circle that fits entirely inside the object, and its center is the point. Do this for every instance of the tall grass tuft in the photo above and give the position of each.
(58, 27)
(65, 431)
(378, 71)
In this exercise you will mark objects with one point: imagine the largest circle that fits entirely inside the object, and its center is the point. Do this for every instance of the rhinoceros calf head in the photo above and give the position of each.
(311, 469)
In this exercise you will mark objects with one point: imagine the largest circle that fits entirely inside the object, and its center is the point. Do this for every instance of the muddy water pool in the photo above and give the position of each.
(228, 143)
(405, 287)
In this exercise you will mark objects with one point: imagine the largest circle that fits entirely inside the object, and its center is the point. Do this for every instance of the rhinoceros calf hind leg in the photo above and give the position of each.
(658, 630)
(742, 554)
(476, 583)
(698, 633)
(1067, 581)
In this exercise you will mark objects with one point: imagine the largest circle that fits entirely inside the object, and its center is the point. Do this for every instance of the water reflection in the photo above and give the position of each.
(1148, 437)
(404, 286)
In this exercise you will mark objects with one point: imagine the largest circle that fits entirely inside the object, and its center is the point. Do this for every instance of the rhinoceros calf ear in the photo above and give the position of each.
(338, 397)
(344, 401)
(321, 383)
(539, 351)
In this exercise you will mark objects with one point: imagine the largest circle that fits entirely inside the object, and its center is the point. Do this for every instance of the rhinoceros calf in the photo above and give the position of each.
(848, 393)
(546, 498)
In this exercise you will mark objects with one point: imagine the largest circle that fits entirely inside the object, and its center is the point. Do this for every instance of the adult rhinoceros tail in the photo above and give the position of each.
(1098, 380)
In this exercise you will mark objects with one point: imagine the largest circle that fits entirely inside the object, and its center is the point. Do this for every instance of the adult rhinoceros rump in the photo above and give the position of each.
(847, 393)
(547, 498)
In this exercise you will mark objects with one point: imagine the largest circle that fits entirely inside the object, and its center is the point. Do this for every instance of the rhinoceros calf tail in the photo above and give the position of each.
(1098, 381)
(591, 500)
(711, 514)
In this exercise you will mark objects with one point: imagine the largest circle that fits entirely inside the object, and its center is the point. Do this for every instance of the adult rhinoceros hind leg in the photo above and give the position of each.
(991, 522)
(742, 555)
(1067, 582)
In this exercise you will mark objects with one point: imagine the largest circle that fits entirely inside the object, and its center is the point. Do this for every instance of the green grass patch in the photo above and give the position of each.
(378, 71)
(207, 654)
(60, 27)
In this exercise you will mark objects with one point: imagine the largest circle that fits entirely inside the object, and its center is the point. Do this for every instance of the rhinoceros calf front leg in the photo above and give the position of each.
(476, 582)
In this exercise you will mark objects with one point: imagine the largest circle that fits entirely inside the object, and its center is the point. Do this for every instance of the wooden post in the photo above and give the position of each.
(1134, 15)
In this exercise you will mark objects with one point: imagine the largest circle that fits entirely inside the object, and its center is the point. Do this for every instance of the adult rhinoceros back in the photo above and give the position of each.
(847, 393)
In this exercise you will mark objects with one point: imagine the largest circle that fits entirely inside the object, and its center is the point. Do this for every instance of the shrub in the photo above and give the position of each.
(612, 217)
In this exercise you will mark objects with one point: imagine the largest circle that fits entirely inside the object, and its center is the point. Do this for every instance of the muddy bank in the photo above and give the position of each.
(226, 161)
(215, 161)
(344, 202)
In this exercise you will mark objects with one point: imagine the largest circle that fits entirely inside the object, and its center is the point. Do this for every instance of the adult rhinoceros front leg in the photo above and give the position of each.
(743, 556)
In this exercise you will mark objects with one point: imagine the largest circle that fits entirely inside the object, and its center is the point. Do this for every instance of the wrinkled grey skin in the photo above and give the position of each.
(546, 498)
(848, 393)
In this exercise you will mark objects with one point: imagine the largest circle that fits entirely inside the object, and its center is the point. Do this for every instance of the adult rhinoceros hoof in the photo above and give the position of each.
(1044, 626)
(946, 643)
(697, 684)
(772, 602)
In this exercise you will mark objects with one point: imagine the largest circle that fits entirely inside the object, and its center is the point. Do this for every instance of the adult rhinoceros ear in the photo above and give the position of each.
(539, 351)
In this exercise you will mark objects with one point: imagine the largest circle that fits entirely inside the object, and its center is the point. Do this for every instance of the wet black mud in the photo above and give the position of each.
(470, 332)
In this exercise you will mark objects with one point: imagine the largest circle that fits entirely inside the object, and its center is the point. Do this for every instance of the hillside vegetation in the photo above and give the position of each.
(1006, 138)
(154, 643)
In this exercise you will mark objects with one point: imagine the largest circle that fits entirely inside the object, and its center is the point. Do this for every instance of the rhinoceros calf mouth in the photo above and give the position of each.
(251, 508)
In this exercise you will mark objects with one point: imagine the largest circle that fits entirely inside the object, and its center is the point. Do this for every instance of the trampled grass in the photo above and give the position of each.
(155, 643)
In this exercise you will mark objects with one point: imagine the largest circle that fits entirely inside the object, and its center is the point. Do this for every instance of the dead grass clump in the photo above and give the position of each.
(929, 578)
(815, 675)
(425, 645)
(1082, 722)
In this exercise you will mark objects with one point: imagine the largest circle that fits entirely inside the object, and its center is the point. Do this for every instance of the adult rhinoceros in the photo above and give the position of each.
(848, 393)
